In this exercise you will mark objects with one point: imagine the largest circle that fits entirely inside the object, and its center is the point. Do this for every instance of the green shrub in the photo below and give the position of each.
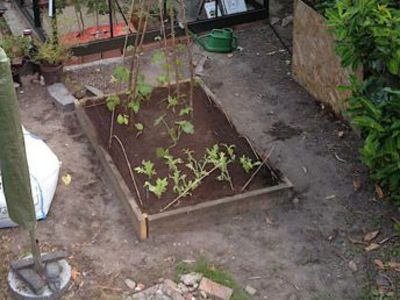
(376, 111)
(368, 35)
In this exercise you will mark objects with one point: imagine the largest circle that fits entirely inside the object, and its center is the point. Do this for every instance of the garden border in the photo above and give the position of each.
(205, 212)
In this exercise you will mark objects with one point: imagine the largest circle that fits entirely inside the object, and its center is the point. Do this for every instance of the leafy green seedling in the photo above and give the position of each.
(120, 75)
(123, 119)
(186, 126)
(248, 164)
(172, 162)
(221, 159)
(140, 128)
(134, 106)
(159, 188)
(181, 186)
(112, 102)
(172, 102)
(198, 167)
(185, 111)
(161, 152)
(146, 168)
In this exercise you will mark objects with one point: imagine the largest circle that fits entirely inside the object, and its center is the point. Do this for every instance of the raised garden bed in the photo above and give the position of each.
(213, 199)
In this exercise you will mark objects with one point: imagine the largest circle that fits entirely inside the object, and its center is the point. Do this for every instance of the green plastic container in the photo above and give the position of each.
(219, 40)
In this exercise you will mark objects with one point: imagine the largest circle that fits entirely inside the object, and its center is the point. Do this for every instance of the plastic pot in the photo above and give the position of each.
(51, 73)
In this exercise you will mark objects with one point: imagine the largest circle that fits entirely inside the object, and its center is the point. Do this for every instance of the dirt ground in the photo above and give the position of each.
(300, 250)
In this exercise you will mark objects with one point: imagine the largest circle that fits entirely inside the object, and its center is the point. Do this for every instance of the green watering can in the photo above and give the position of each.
(219, 40)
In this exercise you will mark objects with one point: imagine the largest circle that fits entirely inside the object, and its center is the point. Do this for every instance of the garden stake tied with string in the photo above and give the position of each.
(39, 274)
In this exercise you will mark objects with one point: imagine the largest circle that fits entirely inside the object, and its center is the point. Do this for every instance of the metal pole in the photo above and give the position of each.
(36, 13)
(110, 11)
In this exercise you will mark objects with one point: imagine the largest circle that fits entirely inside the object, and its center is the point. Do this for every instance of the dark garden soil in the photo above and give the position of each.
(211, 127)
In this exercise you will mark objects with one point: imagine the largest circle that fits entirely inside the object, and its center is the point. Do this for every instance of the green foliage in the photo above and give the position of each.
(367, 34)
(140, 128)
(159, 188)
(51, 54)
(15, 46)
(185, 111)
(376, 111)
(198, 167)
(247, 163)
(146, 168)
(123, 119)
(172, 102)
(112, 102)
(120, 74)
(222, 159)
(186, 126)
(171, 161)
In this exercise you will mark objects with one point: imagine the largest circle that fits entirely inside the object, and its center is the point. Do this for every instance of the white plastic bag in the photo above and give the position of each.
(44, 168)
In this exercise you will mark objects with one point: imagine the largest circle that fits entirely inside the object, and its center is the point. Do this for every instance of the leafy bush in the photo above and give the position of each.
(51, 54)
(376, 111)
(15, 46)
(368, 36)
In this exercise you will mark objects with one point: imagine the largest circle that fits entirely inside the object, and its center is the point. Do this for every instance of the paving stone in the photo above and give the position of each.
(95, 91)
(130, 283)
(61, 96)
(214, 289)
(250, 290)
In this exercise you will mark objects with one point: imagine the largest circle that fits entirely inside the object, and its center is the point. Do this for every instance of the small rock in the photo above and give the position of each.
(191, 279)
(237, 94)
(214, 289)
(353, 266)
(42, 82)
(250, 290)
(287, 20)
(16, 85)
(183, 289)
(139, 287)
(130, 283)
(203, 294)
(296, 200)
(230, 55)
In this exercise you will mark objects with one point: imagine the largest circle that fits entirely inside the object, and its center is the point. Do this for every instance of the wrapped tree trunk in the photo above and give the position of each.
(13, 162)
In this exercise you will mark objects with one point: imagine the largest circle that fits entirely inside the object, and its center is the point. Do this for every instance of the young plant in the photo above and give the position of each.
(172, 103)
(172, 162)
(187, 110)
(182, 187)
(185, 126)
(112, 102)
(123, 119)
(146, 168)
(198, 167)
(140, 128)
(120, 75)
(222, 159)
(159, 188)
(247, 163)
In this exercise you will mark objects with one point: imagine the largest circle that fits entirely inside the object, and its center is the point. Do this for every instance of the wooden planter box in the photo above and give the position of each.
(315, 65)
(183, 217)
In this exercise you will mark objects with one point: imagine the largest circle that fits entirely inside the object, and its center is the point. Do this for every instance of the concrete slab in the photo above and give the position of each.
(62, 98)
